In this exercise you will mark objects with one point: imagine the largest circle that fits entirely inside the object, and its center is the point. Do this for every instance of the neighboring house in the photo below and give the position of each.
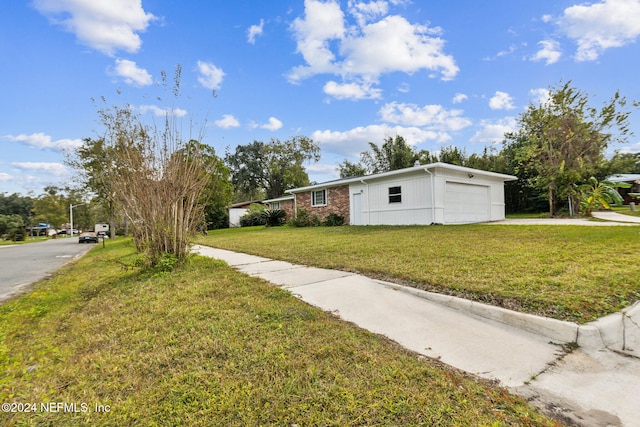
(237, 210)
(629, 178)
(285, 203)
(438, 193)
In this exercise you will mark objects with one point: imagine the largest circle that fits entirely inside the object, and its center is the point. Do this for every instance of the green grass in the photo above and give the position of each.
(566, 272)
(207, 346)
(27, 239)
(626, 210)
(527, 215)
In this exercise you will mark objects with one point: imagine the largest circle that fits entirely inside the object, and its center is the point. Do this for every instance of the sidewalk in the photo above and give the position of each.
(588, 386)
(616, 217)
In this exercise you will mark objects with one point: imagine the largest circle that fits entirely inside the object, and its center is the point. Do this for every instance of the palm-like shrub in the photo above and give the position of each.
(274, 217)
(600, 194)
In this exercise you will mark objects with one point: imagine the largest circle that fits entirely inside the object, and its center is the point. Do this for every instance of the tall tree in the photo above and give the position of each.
(218, 193)
(51, 207)
(348, 169)
(393, 154)
(622, 163)
(269, 169)
(93, 161)
(15, 204)
(561, 142)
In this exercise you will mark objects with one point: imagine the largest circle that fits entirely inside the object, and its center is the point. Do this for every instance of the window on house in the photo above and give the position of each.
(319, 198)
(395, 194)
(275, 205)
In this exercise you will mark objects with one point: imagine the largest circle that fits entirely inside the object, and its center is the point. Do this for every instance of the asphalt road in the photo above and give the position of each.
(22, 265)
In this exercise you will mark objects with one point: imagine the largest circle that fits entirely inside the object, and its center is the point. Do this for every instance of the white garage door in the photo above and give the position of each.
(466, 203)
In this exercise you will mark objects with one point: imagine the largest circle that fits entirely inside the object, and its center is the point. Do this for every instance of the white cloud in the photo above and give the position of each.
(57, 169)
(352, 142)
(107, 25)
(210, 75)
(353, 91)
(459, 97)
(433, 117)
(325, 169)
(162, 112)
(42, 141)
(5, 177)
(493, 132)
(131, 73)
(600, 26)
(274, 124)
(505, 52)
(393, 44)
(255, 31)
(540, 96)
(631, 149)
(404, 88)
(366, 12)
(501, 101)
(363, 52)
(323, 22)
(550, 52)
(227, 121)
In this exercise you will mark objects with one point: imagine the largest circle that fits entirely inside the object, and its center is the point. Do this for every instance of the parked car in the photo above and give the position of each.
(88, 237)
(102, 234)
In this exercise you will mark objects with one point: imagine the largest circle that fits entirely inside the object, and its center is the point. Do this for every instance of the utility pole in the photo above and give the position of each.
(71, 215)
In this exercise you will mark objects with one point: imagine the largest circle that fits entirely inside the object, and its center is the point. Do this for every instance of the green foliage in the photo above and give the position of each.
(347, 169)
(394, 154)
(269, 169)
(600, 194)
(15, 204)
(11, 226)
(52, 207)
(92, 162)
(304, 219)
(274, 217)
(254, 216)
(218, 193)
(333, 220)
(622, 163)
(251, 219)
(562, 142)
(166, 263)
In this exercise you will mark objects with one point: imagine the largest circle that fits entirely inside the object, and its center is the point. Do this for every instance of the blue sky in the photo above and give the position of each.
(340, 72)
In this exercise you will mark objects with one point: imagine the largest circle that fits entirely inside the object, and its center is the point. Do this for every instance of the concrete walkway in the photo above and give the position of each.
(608, 219)
(616, 217)
(590, 386)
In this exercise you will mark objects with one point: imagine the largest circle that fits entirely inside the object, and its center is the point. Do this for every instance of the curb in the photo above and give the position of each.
(621, 331)
(560, 331)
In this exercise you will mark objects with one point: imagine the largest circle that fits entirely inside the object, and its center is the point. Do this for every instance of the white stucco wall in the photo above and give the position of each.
(234, 216)
(419, 206)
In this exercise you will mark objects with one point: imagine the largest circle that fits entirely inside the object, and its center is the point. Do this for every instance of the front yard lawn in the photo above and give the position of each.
(567, 272)
(207, 346)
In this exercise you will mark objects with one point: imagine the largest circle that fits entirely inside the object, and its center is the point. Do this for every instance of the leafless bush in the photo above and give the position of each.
(157, 177)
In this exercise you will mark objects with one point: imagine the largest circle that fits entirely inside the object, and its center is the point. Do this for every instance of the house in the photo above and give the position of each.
(437, 193)
(285, 203)
(630, 178)
(237, 210)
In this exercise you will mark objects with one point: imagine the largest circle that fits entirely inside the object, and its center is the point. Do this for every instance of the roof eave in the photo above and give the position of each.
(347, 181)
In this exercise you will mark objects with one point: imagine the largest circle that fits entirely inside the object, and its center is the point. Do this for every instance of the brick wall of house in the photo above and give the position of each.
(287, 206)
(337, 202)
